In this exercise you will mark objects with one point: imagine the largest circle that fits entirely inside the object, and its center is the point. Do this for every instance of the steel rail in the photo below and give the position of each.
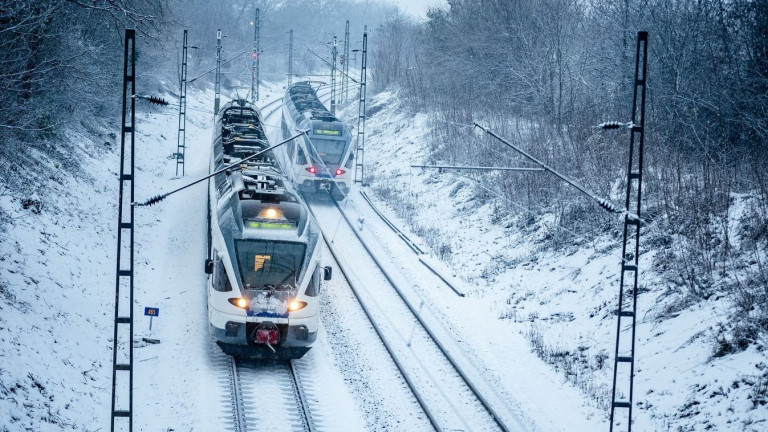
(408, 242)
(239, 419)
(424, 325)
(379, 333)
(238, 416)
(309, 425)
(414, 247)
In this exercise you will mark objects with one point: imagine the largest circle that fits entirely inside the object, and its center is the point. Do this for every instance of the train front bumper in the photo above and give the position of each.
(239, 330)
(325, 184)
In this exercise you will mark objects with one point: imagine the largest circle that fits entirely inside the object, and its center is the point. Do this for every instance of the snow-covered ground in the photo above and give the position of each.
(536, 328)
(524, 298)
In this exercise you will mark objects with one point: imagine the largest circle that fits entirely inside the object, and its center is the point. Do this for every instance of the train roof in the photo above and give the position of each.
(238, 104)
(304, 99)
(260, 187)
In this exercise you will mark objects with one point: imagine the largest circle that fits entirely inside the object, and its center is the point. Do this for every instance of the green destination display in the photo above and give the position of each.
(327, 132)
(269, 225)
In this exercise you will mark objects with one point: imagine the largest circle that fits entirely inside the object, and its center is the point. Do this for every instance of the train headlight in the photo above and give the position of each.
(270, 213)
(295, 305)
(311, 169)
(240, 302)
(339, 171)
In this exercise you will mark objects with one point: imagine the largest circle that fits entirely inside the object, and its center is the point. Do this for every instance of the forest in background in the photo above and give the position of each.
(544, 73)
(62, 60)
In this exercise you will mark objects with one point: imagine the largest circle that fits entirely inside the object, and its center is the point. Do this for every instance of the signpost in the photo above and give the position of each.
(151, 312)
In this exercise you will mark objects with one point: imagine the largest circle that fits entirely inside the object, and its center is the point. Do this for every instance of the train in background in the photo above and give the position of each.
(265, 248)
(323, 160)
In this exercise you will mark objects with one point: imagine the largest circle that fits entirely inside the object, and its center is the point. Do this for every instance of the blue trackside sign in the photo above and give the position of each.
(152, 312)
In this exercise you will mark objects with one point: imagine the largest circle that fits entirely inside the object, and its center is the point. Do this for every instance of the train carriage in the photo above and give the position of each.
(264, 247)
(323, 159)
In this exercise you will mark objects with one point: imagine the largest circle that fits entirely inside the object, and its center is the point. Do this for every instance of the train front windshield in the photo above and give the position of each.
(329, 150)
(269, 264)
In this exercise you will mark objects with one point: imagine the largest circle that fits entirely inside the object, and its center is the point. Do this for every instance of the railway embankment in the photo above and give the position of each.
(700, 360)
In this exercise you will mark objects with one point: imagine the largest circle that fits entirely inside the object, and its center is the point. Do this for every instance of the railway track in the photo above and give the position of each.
(267, 396)
(447, 396)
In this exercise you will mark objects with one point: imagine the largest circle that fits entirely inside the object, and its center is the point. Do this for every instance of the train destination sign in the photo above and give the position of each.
(269, 225)
(327, 132)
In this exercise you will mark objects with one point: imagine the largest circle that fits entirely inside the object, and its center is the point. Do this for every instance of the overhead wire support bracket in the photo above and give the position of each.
(157, 198)
(225, 61)
(479, 168)
(329, 64)
(604, 203)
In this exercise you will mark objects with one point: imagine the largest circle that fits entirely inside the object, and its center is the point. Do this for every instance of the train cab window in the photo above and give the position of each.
(313, 289)
(220, 280)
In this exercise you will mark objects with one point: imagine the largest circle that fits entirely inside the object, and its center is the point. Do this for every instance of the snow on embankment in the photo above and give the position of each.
(562, 300)
(56, 290)
(57, 282)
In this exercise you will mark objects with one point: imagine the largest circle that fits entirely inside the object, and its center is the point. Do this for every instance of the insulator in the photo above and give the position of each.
(157, 100)
(607, 205)
(154, 200)
(610, 125)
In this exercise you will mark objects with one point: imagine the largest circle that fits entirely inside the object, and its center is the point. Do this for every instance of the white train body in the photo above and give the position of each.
(323, 159)
(265, 254)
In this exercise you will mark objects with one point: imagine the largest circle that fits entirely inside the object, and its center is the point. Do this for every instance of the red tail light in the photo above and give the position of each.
(339, 171)
(311, 169)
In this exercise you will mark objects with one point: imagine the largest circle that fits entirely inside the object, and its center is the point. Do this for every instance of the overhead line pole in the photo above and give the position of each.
(360, 147)
(290, 57)
(333, 79)
(345, 66)
(255, 60)
(181, 140)
(122, 407)
(624, 354)
(217, 86)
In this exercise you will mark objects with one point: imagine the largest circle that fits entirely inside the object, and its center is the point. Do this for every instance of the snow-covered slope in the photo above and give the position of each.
(563, 299)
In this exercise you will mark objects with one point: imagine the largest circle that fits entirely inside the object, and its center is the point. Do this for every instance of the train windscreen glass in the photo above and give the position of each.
(269, 264)
(330, 151)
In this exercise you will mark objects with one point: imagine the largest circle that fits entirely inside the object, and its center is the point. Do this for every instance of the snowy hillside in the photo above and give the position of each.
(562, 297)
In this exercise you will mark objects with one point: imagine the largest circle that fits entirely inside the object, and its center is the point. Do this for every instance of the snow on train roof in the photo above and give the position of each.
(305, 99)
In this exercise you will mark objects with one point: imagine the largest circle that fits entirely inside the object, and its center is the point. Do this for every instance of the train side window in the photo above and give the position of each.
(291, 145)
(301, 158)
(313, 289)
(350, 160)
(220, 279)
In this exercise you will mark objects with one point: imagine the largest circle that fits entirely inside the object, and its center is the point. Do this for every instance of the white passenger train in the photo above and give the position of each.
(323, 159)
(264, 248)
